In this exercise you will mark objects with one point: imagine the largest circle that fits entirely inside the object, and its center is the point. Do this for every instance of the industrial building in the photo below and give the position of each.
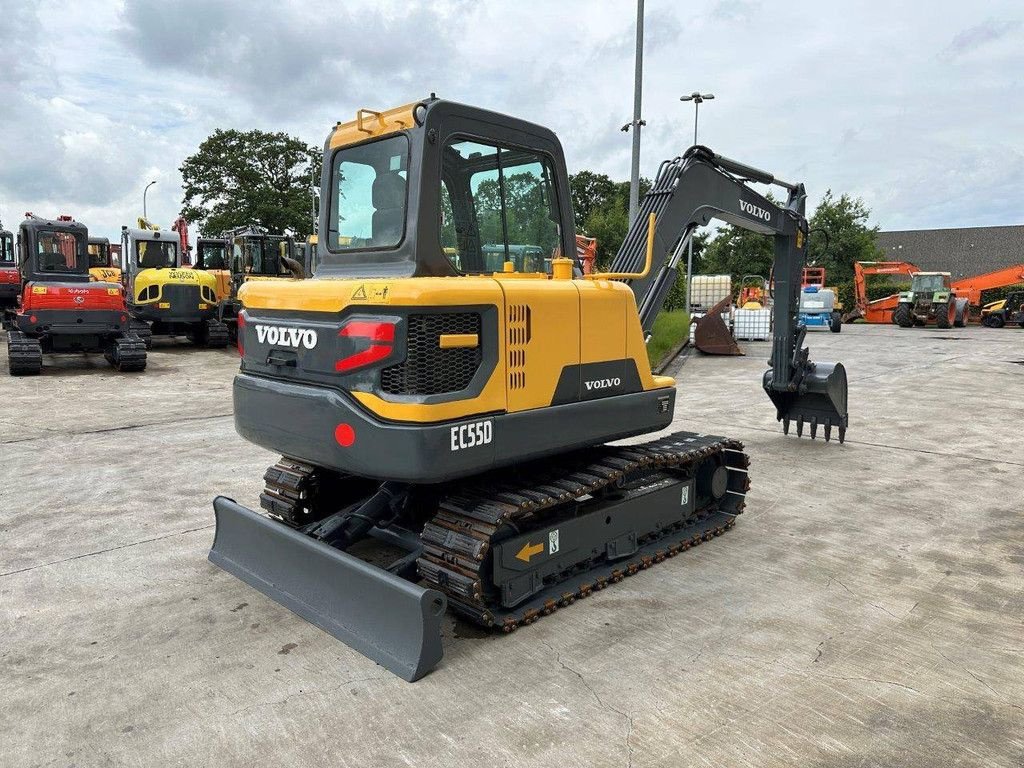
(960, 251)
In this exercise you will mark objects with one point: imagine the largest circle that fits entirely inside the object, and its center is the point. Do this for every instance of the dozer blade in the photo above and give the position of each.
(712, 336)
(821, 403)
(386, 618)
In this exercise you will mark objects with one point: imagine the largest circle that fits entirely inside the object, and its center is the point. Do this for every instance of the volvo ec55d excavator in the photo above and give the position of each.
(460, 413)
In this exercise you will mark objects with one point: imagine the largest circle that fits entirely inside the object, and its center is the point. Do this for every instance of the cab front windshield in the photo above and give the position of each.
(6, 248)
(153, 254)
(60, 252)
(929, 283)
(99, 254)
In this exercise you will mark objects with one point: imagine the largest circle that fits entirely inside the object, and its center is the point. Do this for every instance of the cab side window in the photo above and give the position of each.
(498, 204)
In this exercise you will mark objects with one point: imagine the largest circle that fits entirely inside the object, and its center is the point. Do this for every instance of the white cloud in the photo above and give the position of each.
(916, 112)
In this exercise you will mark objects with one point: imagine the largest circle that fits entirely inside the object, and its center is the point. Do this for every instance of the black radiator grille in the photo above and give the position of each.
(428, 369)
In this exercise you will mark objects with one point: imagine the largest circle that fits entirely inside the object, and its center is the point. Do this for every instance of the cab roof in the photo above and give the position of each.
(371, 123)
(151, 235)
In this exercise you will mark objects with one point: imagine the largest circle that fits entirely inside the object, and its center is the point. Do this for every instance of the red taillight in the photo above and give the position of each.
(238, 333)
(374, 331)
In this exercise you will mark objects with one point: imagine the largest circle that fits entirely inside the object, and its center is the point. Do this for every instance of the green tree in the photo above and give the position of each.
(845, 220)
(601, 208)
(242, 177)
(590, 191)
(737, 252)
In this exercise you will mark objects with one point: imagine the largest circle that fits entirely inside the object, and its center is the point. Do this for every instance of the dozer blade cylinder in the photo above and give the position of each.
(392, 621)
(712, 336)
(822, 400)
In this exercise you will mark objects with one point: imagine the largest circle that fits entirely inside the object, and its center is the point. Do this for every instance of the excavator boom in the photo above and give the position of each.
(688, 192)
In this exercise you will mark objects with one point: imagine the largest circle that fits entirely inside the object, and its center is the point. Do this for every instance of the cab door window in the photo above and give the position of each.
(498, 204)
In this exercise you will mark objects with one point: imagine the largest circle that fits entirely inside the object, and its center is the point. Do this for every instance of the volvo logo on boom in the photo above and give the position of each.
(286, 337)
(755, 210)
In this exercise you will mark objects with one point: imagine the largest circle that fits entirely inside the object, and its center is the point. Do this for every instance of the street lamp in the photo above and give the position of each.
(636, 123)
(144, 199)
(697, 98)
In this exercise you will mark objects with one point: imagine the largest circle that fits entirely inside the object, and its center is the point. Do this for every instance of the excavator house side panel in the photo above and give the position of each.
(604, 305)
(552, 341)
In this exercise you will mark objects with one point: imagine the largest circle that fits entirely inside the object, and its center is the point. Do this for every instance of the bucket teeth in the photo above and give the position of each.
(828, 431)
(799, 426)
(842, 435)
(785, 426)
(814, 427)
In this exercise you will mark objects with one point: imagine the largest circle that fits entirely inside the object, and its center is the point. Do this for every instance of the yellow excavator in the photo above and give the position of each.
(166, 298)
(242, 254)
(104, 264)
(459, 407)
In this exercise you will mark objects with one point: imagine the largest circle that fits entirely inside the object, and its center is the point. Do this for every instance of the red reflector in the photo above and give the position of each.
(124, 318)
(33, 319)
(369, 330)
(238, 333)
(345, 435)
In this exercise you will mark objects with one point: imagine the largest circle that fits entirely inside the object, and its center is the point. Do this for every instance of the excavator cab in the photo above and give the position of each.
(212, 258)
(104, 266)
(256, 254)
(449, 382)
(251, 253)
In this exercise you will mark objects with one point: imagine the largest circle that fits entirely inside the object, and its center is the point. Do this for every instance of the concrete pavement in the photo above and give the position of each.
(865, 611)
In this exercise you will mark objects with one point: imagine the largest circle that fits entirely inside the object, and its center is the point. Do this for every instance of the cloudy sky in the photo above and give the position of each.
(916, 107)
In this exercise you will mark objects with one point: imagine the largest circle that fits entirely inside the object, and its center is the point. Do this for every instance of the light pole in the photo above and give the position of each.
(636, 124)
(697, 98)
(144, 215)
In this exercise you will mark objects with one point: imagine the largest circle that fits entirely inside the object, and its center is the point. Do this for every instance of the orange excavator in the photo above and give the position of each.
(881, 310)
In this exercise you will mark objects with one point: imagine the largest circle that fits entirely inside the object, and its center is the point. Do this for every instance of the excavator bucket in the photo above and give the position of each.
(712, 335)
(820, 401)
(392, 621)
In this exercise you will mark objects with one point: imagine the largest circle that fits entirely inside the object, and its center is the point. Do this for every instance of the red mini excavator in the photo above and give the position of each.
(62, 308)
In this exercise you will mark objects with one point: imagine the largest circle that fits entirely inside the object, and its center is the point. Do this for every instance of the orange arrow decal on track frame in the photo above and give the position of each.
(528, 551)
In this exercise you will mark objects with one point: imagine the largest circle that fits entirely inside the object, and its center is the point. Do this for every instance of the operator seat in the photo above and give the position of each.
(389, 209)
(51, 261)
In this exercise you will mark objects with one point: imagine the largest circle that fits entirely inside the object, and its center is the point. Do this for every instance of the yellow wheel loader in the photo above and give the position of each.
(459, 409)
(164, 298)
